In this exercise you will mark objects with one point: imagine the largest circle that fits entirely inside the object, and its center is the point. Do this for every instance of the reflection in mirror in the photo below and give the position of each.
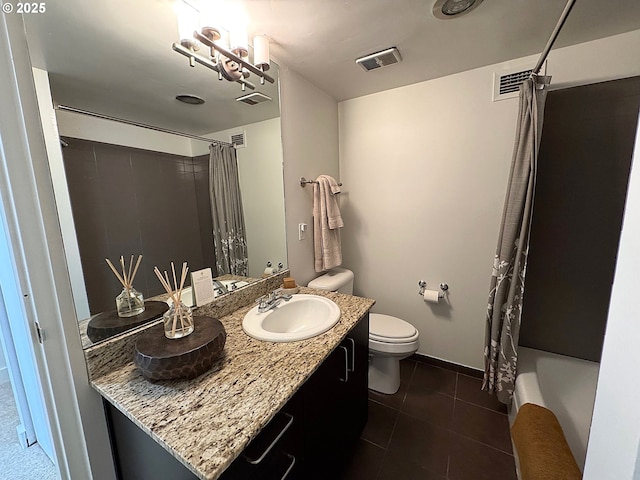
(158, 204)
(136, 191)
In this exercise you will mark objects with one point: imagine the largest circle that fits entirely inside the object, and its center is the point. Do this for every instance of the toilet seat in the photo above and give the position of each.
(388, 329)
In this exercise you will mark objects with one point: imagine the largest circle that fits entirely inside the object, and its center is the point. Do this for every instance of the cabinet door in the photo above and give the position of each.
(137, 455)
(354, 411)
(336, 407)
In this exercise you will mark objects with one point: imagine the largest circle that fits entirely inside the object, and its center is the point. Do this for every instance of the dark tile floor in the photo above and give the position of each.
(439, 426)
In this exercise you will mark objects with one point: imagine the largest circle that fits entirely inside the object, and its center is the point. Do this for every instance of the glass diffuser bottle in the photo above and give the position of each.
(130, 302)
(178, 321)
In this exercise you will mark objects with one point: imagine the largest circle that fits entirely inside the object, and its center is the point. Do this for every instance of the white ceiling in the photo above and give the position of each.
(115, 56)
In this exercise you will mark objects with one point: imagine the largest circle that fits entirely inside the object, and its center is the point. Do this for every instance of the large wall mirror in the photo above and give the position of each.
(131, 190)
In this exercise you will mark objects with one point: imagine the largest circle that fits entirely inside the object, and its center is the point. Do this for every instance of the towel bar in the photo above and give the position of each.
(304, 181)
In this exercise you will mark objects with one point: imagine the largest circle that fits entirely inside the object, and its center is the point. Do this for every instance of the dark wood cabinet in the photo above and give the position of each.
(335, 405)
(309, 438)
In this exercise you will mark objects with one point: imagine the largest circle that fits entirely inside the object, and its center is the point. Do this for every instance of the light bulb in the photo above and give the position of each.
(239, 41)
(187, 22)
(261, 52)
(209, 23)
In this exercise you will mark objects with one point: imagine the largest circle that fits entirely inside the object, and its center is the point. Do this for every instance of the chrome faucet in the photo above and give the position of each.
(271, 300)
(219, 287)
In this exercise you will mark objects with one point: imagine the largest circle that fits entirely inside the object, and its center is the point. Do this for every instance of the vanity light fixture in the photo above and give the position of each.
(229, 62)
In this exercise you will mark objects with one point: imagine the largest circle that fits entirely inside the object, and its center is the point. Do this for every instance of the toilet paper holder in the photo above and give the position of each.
(423, 286)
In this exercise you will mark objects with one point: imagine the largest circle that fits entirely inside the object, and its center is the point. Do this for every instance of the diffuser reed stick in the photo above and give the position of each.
(126, 279)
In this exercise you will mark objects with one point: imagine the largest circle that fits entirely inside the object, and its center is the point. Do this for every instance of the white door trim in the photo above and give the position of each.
(24, 378)
(74, 408)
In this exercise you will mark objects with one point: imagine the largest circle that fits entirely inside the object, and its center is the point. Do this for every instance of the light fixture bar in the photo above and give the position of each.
(231, 56)
(207, 63)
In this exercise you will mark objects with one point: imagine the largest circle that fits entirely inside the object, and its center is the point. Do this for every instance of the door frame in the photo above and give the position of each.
(20, 364)
(77, 422)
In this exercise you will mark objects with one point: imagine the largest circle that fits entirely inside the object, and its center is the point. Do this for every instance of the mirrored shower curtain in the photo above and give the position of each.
(229, 233)
(504, 308)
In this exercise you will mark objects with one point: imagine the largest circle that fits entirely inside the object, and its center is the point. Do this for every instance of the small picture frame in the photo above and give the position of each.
(202, 284)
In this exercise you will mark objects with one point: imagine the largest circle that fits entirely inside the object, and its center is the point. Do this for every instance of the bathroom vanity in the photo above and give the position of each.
(265, 410)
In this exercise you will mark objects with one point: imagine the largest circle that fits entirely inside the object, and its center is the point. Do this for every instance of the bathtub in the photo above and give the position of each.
(564, 385)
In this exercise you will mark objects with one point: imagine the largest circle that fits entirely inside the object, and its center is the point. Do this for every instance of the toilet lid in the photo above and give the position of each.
(390, 329)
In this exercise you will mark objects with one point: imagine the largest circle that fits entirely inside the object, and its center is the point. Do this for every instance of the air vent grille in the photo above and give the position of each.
(376, 60)
(238, 139)
(254, 98)
(511, 82)
(506, 82)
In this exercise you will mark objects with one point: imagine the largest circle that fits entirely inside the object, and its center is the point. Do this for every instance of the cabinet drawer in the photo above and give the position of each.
(272, 455)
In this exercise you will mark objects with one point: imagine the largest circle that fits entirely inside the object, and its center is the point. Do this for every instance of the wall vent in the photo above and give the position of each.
(238, 139)
(254, 98)
(506, 83)
(376, 60)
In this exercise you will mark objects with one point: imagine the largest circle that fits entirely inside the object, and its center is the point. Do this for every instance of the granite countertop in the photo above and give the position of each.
(206, 423)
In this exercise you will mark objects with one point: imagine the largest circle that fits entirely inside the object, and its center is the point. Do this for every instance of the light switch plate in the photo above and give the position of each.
(302, 231)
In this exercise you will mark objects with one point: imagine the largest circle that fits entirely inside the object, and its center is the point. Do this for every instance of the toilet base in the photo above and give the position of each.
(384, 373)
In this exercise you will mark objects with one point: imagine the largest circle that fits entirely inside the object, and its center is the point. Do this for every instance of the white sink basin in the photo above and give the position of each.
(302, 317)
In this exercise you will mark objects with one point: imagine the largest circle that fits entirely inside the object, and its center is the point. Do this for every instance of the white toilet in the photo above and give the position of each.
(390, 339)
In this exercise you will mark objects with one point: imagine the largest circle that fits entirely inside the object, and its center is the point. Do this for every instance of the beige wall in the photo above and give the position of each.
(310, 147)
(425, 170)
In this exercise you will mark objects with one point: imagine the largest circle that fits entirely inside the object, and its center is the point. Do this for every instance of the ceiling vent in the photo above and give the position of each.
(190, 99)
(254, 98)
(238, 139)
(506, 83)
(376, 60)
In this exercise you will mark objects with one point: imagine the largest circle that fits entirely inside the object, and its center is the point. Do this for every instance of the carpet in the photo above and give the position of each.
(17, 463)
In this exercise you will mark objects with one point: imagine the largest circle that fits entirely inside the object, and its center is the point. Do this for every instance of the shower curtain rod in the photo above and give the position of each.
(554, 35)
(141, 125)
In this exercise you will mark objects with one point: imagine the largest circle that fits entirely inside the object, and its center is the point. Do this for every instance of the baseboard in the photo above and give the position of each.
(22, 436)
(436, 362)
(4, 375)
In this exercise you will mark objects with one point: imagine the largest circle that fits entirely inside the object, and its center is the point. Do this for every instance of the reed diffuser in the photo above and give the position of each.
(130, 302)
(178, 320)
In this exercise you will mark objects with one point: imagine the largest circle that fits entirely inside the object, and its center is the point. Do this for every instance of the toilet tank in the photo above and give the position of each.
(335, 280)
